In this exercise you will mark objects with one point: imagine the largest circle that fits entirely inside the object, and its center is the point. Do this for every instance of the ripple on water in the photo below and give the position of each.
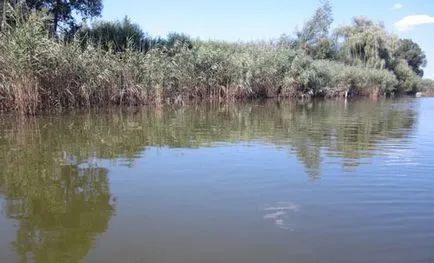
(278, 213)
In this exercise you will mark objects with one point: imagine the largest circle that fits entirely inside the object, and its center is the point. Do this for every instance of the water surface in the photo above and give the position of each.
(264, 182)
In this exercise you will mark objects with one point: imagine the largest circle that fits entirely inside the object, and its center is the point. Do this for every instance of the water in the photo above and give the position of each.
(323, 182)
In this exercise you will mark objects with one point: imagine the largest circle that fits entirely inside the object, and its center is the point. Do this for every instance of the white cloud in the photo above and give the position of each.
(409, 22)
(397, 6)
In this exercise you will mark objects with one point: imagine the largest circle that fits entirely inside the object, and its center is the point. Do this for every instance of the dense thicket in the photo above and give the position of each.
(116, 63)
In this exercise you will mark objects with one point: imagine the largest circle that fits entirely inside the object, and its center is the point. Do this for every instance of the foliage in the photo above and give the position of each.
(115, 36)
(413, 54)
(337, 77)
(120, 35)
(314, 36)
(175, 39)
(63, 11)
(408, 81)
(366, 43)
(118, 64)
(427, 86)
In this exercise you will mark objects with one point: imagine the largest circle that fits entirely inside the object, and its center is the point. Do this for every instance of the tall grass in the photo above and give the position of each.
(38, 72)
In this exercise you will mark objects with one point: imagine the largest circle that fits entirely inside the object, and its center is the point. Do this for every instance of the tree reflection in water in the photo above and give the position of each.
(62, 201)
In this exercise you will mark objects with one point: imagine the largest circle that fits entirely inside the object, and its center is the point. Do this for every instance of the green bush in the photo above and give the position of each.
(408, 81)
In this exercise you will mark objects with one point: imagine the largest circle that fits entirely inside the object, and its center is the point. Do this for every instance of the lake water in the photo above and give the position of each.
(263, 182)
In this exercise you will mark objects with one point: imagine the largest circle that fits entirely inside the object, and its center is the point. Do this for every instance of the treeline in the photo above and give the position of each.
(49, 61)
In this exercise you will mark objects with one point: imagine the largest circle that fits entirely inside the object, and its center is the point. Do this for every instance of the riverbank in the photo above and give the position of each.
(427, 93)
(40, 73)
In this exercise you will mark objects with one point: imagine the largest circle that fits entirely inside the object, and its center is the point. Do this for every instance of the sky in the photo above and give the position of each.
(246, 20)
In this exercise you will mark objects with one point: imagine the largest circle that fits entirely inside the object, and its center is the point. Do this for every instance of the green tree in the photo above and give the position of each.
(174, 39)
(63, 10)
(413, 54)
(408, 81)
(314, 36)
(120, 35)
(366, 43)
(116, 35)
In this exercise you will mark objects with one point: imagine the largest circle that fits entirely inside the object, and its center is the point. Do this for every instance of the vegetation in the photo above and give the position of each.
(412, 54)
(63, 12)
(427, 87)
(115, 36)
(116, 63)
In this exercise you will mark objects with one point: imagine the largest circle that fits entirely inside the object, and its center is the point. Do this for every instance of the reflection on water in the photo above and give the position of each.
(279, 212)
(56, 170)
(60, 209)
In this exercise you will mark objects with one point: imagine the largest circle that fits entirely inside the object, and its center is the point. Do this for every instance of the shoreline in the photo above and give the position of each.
(101, 109)
(41, 72)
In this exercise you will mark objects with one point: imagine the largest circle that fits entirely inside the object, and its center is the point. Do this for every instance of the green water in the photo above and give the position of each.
(264, 182)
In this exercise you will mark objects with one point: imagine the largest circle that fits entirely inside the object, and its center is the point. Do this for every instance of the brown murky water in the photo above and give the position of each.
(323, 182)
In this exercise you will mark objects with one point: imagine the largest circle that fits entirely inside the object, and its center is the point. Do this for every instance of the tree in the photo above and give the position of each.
(427, 85)
(408, 81)
(120, 35)
(116, 35)
(413, 54)
(174, 39)
(63, 10)
(366, 43)
(314, 36)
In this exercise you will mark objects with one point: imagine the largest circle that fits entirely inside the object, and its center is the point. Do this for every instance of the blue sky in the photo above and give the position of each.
(246, 20)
